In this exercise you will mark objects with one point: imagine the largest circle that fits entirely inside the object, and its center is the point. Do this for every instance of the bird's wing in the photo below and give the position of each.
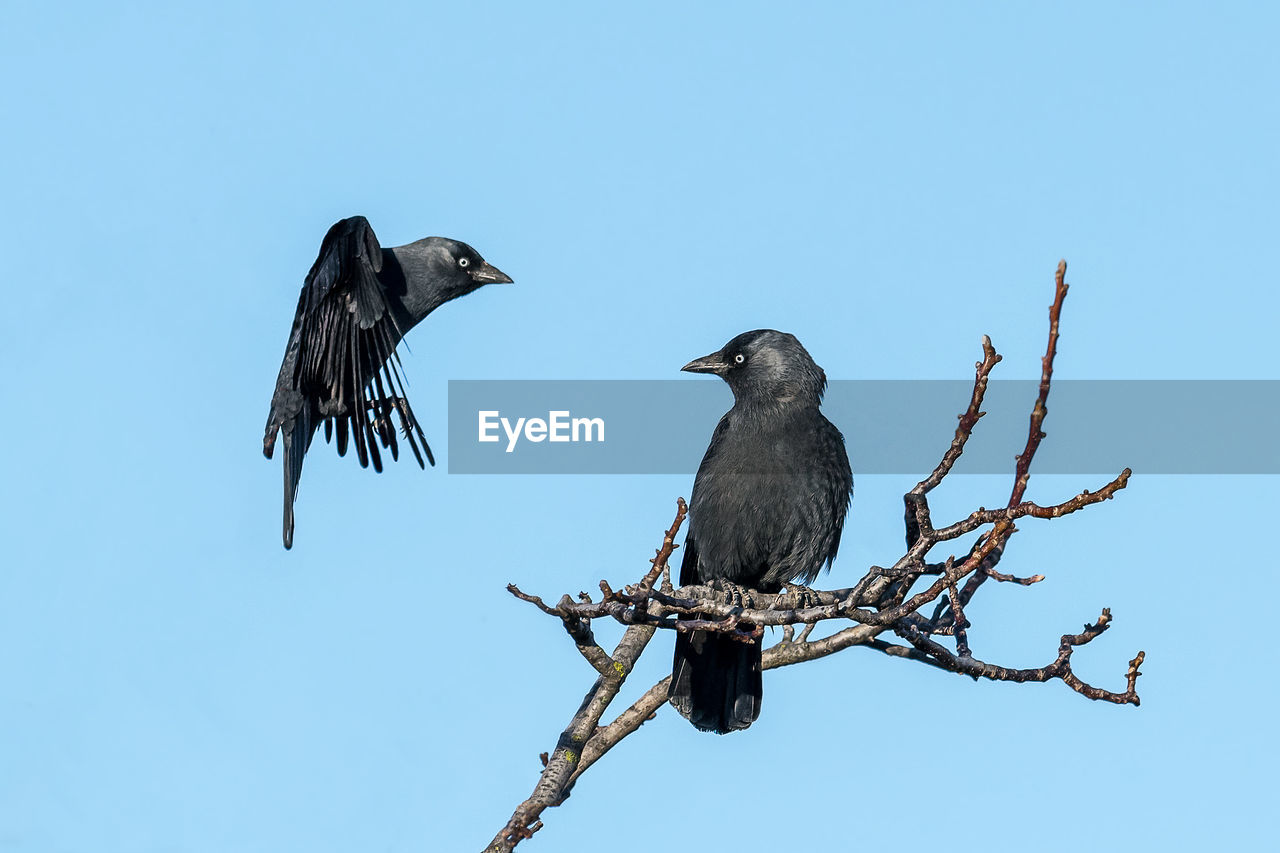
(838, 478)
(843, 489)
(689, 564)
(347, 336)
(340, 365)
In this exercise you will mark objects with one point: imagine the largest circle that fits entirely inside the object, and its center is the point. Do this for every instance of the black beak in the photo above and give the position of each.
(713, 363)
(487, 273)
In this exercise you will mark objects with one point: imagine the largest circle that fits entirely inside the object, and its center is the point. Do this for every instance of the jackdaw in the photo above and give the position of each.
(768, 505)
(341, 365)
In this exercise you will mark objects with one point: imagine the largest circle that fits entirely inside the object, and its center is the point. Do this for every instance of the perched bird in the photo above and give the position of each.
(341, 366)
(768, 505)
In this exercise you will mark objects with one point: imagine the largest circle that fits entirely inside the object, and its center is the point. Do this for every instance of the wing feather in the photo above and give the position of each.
(342, 345)
(347, 342)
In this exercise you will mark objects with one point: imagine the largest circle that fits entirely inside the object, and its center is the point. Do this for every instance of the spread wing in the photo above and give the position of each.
(347, 361)
(341, 365)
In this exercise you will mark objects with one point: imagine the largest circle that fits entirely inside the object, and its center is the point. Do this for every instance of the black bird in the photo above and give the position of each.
(767, 509)
(341, 366)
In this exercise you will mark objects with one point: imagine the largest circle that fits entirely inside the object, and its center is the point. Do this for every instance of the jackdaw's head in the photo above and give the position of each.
(765, 365)
(449, 266)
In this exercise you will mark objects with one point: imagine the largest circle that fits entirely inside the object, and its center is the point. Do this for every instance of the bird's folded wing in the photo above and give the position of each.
(689, 565)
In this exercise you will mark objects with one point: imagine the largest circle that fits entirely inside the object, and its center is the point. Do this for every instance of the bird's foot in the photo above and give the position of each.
(386, 432)
(407, 423)
(734, 595)
(798, 597)
(382, 421)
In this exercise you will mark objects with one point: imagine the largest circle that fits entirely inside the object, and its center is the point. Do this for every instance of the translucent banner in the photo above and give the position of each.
(890, 426)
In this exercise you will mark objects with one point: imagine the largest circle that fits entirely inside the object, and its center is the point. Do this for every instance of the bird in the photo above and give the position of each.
(768, 507)
(340, 365)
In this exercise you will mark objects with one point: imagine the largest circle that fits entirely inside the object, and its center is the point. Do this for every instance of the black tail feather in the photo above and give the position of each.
(297, 438)
(716, 682)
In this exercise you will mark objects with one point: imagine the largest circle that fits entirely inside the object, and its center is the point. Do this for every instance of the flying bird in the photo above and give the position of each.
(768, 505)
(341, 366)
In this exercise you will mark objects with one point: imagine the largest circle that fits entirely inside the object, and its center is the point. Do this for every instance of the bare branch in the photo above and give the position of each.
(881, 602)
(559, 769)
(1060, 667)
(636, 606)
(1035, 434)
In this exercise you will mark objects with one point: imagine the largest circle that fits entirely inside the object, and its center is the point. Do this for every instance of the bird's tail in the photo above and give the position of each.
(715, 681)
(297, 438)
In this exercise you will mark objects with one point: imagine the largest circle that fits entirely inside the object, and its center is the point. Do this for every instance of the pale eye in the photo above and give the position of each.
(464, 262)
(739, 358)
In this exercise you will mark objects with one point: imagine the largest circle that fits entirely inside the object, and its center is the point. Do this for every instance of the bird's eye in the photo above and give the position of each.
(464, 262)
(739, 358)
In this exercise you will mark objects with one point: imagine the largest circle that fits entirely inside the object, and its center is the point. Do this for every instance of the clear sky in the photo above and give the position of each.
(886, 181)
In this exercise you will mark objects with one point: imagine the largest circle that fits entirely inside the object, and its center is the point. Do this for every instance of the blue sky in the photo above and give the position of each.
(887, 181)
